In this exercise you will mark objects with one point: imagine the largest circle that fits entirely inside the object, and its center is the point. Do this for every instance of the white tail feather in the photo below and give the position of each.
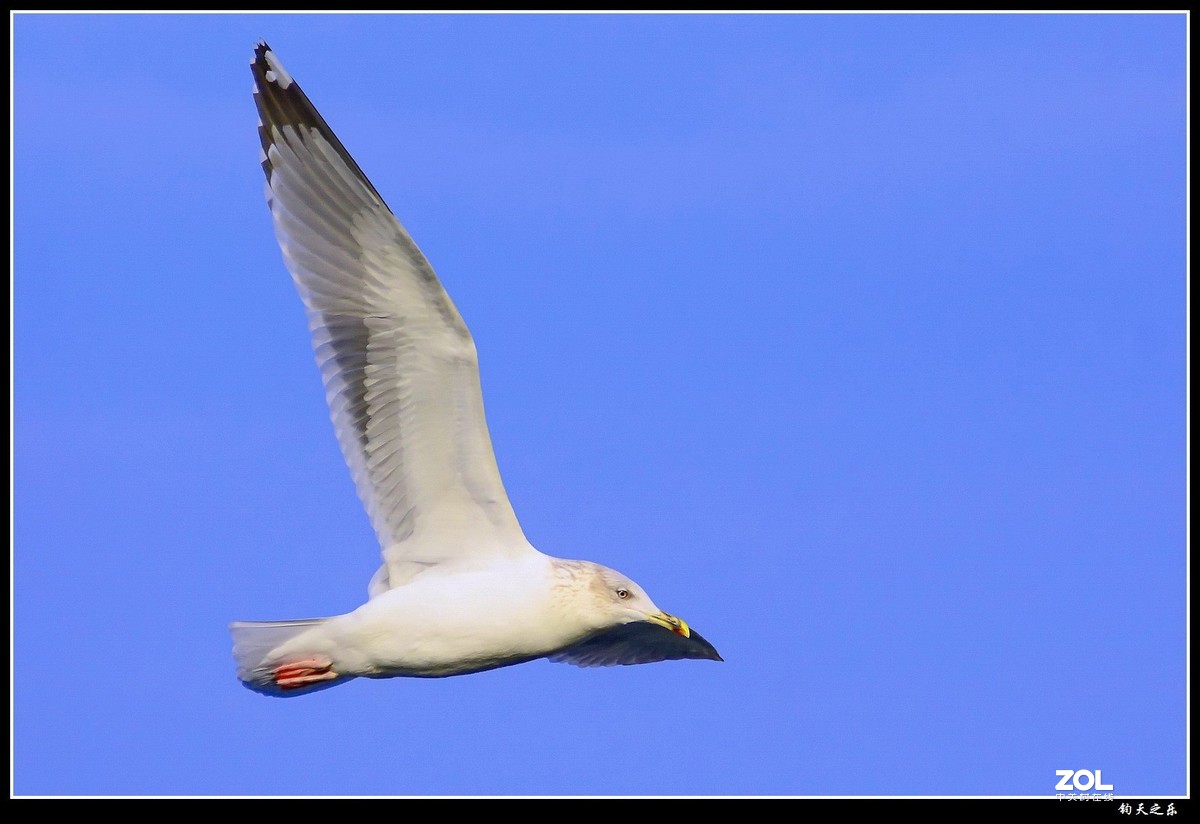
(254, 647)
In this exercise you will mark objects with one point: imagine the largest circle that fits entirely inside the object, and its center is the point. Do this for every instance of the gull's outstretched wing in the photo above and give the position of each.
(400, 370)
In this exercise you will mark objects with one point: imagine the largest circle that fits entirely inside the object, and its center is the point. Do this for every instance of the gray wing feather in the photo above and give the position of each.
(400, 369)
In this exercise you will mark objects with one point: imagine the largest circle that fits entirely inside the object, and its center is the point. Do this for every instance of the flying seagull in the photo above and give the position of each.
(460, 590)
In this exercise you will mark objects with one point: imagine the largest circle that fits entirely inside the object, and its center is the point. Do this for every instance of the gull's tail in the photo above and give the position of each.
(267, 661)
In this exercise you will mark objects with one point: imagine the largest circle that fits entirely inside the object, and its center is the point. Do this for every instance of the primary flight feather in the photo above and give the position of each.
(460, 589)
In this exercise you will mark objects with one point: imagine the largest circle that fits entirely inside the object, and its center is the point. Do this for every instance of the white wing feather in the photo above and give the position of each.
(399, 365)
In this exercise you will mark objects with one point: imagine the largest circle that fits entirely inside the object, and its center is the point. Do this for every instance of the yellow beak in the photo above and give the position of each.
(676, 625)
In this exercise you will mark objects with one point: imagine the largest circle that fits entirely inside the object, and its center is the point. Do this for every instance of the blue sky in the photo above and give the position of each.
(858, 341)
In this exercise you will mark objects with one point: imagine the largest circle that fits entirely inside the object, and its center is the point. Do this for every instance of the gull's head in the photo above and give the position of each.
(621, 625)
(618, 599)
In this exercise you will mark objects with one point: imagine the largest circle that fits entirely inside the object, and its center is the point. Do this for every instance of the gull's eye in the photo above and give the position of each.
(622, 594)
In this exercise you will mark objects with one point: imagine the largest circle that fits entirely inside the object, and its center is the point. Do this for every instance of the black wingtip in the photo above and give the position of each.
(638, 642)
(281, 103)
(701, 648)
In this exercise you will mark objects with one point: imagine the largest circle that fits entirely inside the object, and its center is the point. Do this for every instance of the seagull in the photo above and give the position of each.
(460, 589)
